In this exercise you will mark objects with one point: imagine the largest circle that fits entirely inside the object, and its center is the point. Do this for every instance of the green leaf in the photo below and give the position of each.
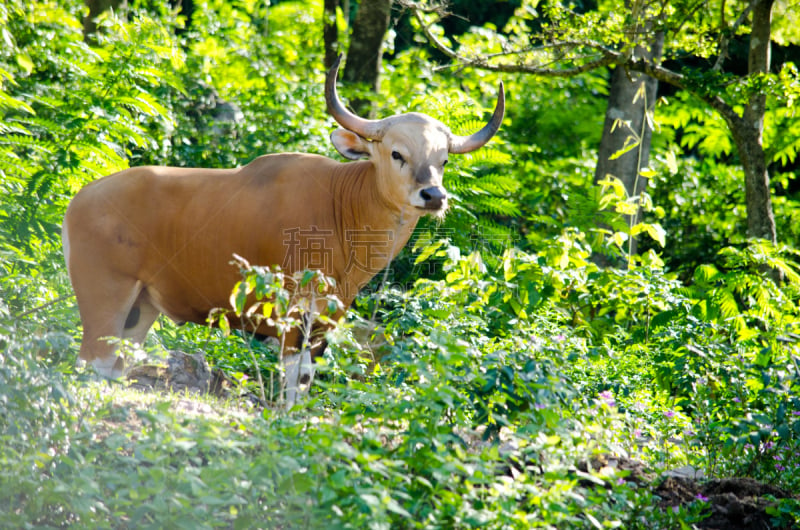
(239, 297)
(428, 251)
(308, 275)
(25, 62)
(657, 232)
(615, 184)
(630, 144)
(626, 208)
(224, 326)
(395, 507)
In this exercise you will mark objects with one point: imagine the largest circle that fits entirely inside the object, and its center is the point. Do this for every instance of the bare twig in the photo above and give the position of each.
(679, 80)
(606, 58)
(439, 9)
(43, 306)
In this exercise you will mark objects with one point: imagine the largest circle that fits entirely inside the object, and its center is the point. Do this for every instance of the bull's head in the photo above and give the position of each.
(409, 151)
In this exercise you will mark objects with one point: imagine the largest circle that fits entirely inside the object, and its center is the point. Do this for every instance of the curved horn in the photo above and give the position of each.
(371, 129)
(465, 144)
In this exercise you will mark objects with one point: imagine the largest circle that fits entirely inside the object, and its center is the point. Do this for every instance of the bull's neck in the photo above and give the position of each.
(371, 231)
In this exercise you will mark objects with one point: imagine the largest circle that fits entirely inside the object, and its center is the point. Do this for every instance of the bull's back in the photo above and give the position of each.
(176, 229)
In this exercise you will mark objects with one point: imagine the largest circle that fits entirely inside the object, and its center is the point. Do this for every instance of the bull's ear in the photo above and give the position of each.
(349, 144)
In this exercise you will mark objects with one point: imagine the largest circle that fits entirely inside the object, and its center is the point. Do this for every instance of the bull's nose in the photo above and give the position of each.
(434, 197)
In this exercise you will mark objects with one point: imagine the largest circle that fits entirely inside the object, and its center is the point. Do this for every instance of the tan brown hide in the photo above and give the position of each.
(176, 230)
(154, 240)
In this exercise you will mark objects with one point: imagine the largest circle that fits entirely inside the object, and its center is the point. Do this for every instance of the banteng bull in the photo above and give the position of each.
(152, 240)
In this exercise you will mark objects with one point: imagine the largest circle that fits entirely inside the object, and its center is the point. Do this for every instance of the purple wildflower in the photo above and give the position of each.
(669, 413)
(702, 498)
(608, 397)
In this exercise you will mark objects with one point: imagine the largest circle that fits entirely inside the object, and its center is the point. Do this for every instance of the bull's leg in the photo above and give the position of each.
(291, 373)
(140, 319)
(299, 367)
(106, 304)
(298, 376)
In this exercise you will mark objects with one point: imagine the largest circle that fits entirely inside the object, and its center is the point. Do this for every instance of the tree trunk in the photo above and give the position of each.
(631, 98)
(760, 218)
(749, 129)
(330, 33)
(366, 46)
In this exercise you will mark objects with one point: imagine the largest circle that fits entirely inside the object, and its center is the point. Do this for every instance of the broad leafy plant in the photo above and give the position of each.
(71, 113)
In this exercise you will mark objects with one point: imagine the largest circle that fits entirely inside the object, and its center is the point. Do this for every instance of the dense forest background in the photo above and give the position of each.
(616, 277)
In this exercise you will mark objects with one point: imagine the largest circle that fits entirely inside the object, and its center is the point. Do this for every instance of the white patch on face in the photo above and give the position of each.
(415, 152)
(415, 199)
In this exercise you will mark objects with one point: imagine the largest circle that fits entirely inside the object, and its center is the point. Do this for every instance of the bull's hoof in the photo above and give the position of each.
(110, 368)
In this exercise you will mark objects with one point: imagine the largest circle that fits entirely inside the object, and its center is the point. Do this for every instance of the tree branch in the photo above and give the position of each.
(675, 79)
(607, 56)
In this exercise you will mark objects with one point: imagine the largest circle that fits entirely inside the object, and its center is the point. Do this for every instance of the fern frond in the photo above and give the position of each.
(8, 102)
(726, 303)
(41, 124)
(29, 142)
(496, 183)
(494, 205)
(707, 273)
(13, 128)
(467, 127)
(102, 150)
(488, 155)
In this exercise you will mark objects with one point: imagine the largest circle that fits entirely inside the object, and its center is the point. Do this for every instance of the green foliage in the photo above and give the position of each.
(704, 192)
(403, 444)
(484, 394)
(71, 113)
(267, 297)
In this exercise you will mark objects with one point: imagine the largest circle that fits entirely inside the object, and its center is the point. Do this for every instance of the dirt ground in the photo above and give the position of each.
(736, 503)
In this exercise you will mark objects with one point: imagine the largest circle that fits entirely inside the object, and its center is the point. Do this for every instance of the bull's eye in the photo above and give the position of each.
(397, 156)
(444, 163)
